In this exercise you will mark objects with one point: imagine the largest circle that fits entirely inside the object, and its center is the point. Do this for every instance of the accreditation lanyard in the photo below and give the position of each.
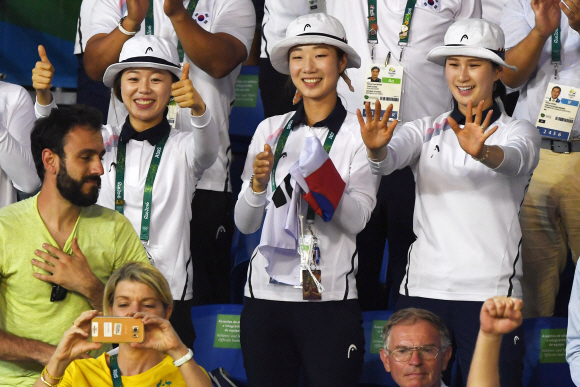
(556, 50)
(406, 26)
(147, 192)
(115, 372)
(373, 36)
(150, 23)
(282, 142)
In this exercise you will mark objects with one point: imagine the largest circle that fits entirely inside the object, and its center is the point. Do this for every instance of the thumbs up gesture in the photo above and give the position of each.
(185, 95)
(42, 78)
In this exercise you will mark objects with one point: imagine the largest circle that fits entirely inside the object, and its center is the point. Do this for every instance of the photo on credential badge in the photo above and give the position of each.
(558, 111)
(309, 289)
(384, 83)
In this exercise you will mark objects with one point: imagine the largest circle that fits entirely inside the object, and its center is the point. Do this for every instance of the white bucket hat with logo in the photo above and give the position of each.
(477, 38)
(315, 28)
(145, 51)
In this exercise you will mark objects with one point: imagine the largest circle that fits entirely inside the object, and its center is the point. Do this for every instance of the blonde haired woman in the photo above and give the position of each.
(140, 291)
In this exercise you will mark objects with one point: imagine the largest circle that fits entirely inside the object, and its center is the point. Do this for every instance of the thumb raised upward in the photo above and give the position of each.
(185, 71)
(42, 54)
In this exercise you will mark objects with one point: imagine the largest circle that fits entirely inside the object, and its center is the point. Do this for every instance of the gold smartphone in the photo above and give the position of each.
(107, 329)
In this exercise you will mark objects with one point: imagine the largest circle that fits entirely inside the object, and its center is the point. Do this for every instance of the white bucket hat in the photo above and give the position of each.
(478, 38)
(145, 51)
(315, 28)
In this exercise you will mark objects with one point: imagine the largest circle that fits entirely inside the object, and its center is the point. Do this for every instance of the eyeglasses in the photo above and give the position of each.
(403, 354)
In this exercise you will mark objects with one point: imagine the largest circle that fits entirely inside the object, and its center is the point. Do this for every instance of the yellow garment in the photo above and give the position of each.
(106, 238)
(96, 372)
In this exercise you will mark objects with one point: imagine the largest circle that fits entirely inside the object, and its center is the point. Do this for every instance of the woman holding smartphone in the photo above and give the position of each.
(135, 290)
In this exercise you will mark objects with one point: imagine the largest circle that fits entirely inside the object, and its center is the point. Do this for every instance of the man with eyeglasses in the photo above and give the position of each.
(417, 348)
(57, 248)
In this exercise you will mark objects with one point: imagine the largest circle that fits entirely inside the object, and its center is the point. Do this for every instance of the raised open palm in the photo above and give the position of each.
(376, 132)
(473, 135)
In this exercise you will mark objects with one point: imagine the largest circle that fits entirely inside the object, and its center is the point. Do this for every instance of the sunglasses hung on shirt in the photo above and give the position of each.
(58, 293)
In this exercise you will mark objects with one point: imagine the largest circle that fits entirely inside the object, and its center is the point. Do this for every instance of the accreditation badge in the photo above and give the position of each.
(384, 83)
(172, 109)
(558, 111)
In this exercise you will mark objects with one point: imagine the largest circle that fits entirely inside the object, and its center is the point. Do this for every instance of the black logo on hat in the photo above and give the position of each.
(307, 25)
(148, 49)
(464, 36)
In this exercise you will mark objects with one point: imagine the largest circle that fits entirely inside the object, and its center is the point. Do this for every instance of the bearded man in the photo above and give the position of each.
(46, 280)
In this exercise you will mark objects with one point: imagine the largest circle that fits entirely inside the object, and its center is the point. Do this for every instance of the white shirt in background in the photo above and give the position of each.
(17, 118)
(425, 90)
(84, 26)
(277, 15)
(517, 21)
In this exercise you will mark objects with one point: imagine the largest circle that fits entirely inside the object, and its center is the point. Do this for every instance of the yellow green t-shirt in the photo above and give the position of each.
(106, 238)
(96, 372)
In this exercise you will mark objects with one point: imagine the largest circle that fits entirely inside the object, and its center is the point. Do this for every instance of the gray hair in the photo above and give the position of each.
(410, 316)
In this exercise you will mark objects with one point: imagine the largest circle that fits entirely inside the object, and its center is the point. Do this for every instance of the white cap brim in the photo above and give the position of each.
(279, 54)
(116, 68)
(439, 54)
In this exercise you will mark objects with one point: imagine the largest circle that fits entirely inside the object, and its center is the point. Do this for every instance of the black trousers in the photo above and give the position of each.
(323, 339)
(212, 229)
(462, 320)
(180, 319)
(391, 219)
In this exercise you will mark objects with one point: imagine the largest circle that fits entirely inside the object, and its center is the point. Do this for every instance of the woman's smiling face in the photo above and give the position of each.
(145, 93)
(315, 70)
(471, 79)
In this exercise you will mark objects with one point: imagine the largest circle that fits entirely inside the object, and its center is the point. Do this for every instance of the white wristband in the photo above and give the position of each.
(128, 33)
(184, 359)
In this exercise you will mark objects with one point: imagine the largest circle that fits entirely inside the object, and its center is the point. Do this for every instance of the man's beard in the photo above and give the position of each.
(71, 189)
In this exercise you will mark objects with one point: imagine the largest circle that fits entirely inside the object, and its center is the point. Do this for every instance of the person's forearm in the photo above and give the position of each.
(206, 142)
(44, 97)
(14, 348)
(94, 293)
(102, 50)
(525, 56)
(191, 372)
(484, 371)
(249, 211)
(351, 215)
(494, 158)
(54, 368)
(377, 155)
(216, 54)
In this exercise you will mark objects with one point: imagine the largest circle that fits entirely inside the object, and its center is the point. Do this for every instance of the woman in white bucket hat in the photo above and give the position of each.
(155, 193)
(472, 172)
(301, 311)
